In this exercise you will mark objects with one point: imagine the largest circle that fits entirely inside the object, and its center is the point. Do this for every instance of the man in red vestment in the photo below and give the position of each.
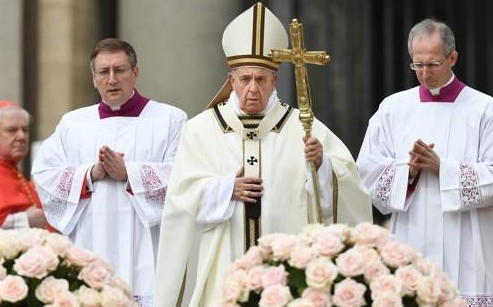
(19, 203)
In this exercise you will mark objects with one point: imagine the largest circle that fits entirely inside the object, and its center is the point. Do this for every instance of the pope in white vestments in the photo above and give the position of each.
(116, 219)
(252, 136)
(427, 158)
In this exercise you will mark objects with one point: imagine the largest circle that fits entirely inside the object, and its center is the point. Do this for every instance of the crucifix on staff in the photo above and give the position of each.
(299, 57)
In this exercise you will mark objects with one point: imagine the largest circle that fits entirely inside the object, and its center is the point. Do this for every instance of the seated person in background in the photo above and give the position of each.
(20, 206)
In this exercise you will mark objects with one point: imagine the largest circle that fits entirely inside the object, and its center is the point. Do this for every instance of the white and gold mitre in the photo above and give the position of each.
(249, 38)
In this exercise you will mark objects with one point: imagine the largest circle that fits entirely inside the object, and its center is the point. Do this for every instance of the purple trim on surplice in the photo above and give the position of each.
(131, 108)
(447, 94)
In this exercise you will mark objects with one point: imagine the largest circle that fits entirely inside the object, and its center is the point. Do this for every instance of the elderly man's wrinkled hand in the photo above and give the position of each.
(313, 151)
(247, 189)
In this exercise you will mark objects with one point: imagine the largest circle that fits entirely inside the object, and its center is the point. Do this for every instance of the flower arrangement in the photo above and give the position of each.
(39, 268)
(335, 266)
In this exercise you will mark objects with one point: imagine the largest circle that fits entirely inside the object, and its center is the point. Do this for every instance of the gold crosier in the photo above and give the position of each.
(299, 57)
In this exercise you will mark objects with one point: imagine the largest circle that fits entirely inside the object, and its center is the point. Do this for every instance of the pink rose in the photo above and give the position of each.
(455, 302)
(320, 273)
(385, 284)
(301, 302)
(310, 231)
(252, 258)
(447, 292)
(349, 293)
(114, 297)
(234, 287)
(301, 255)
(13, 289)
(275, 296)
(327, 243)
(121, 284)
(368, 234)
(374, 269)
(273, 276)
(75, 255)
(31, 264)
(58, 243)
(388, 300)
(51, 259)
(265, 245)
(351, 263)
(95, 275)
(409, 276)
(395, 254)
(342, 231)
(425, 266)
(3, 272)
(30, 237)
(219, 304)
(88, 297)
(254, 278)
(282, 246)
(428, 290)
(230, 292)
(317, 297)
(66, 299)
(368, 253)
(50, 288)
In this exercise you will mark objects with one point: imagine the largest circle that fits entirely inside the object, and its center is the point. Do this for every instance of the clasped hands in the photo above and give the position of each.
(110, 163)
(247, 189)
(423, 157)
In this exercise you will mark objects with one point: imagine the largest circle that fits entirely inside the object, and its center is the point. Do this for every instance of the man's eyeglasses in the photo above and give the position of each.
(431, 65)
(105, 73)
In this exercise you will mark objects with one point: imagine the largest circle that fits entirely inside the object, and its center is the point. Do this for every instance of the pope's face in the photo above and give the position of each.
(253, 86)
(14, 135)
(114, 77)
(426, 50)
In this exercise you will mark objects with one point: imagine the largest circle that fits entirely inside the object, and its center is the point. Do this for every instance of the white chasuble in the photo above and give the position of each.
(449, 217)
(120, 221)
(209, 150)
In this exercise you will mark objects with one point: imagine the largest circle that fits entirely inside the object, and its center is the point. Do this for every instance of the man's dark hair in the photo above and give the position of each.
(113, 45)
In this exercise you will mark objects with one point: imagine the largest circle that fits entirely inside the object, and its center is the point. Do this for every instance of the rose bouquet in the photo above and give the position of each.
(335, 266)
(39, 268)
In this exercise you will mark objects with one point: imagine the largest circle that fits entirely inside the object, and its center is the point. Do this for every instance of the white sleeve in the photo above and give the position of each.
(16, 221)
(216, 205)
(58, 182)
(149, 181)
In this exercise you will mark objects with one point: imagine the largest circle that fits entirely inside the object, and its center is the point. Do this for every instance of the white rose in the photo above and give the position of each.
(10, 245)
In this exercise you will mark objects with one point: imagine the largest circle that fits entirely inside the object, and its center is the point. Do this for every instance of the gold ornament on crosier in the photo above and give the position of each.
(299, 57)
